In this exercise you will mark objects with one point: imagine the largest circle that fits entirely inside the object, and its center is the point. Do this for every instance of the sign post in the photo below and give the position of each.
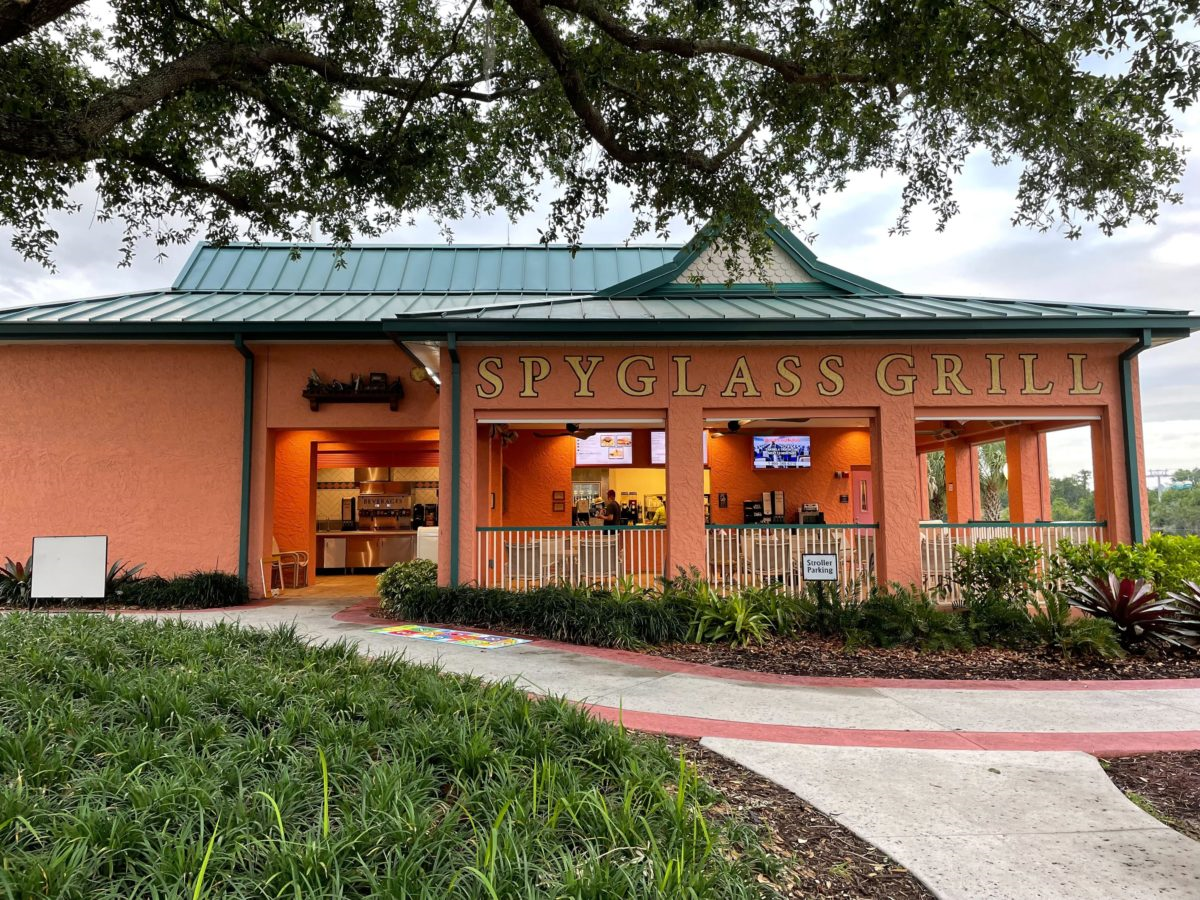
(819, 567)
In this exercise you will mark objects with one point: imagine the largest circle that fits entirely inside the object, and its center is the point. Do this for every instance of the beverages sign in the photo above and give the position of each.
(820, 567)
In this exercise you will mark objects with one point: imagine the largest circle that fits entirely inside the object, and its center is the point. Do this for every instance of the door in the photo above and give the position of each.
(861, 497)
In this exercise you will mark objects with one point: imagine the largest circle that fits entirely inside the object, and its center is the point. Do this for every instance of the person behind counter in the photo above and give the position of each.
(612, 511)
(659, 516)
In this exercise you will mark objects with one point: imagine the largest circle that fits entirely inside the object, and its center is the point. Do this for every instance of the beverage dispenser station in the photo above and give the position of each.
(377, 527)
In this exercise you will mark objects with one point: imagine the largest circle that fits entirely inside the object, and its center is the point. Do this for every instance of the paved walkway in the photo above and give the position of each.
(989, 825)
(967, 807)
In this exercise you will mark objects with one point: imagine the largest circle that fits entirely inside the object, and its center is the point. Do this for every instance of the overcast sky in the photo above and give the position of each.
(979, 253)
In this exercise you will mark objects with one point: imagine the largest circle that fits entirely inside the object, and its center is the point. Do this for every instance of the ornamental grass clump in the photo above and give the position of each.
(161, 759)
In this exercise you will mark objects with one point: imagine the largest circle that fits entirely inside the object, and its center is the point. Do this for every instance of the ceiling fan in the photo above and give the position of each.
(735, 425)
(572, 430)
(942, 431)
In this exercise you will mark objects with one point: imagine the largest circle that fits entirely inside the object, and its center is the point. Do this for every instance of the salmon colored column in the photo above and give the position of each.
(897, 494)
(686, 545)
(962, 499)
(1023, 450)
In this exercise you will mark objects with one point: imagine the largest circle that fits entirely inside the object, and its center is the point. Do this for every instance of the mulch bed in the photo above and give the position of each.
(819, 857)
(1169, 781)
(813, 655)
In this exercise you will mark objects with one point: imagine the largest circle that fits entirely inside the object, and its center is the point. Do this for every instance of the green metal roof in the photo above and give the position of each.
(541, 269)
(318, 291)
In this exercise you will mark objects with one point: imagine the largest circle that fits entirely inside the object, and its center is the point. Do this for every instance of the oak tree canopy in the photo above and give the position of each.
(268, 118)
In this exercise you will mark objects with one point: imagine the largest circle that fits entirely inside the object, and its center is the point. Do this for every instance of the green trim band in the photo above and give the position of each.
(455, 451)
(247, 444)
(1129, 437)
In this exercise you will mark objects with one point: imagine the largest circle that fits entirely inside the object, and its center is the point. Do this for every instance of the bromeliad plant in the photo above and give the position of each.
(1136, 609)
(1186, 601)
(16, 581)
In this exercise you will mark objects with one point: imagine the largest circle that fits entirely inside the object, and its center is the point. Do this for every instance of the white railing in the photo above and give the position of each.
(520, 558)
(760, 555)
(938, 541)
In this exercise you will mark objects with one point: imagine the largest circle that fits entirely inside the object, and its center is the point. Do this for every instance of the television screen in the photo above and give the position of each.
(658, 448)
(605, 448)
(791, 451)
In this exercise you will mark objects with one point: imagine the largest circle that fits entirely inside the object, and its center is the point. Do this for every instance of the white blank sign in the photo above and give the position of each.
(69, 567)
(820, 567)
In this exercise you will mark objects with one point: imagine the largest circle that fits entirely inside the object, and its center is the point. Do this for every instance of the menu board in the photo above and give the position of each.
(658, 448)
(605, 448)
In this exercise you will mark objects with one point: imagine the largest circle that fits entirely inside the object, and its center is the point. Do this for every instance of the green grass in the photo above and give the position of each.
(164, 760)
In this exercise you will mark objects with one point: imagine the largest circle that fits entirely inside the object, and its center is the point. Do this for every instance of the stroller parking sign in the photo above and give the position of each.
(820, 567)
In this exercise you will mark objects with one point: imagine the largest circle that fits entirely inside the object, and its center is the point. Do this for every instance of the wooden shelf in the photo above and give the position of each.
(391, 397)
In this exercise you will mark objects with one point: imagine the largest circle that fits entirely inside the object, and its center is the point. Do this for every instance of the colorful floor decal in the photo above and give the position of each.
(451, 636)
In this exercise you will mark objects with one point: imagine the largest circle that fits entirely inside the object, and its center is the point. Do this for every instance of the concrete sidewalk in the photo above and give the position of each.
(1019, 826)
(1108, 720)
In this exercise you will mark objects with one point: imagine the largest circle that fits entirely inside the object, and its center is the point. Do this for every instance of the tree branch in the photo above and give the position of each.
(75, 137)
(790, 70)
(546, 37)
(21, 17)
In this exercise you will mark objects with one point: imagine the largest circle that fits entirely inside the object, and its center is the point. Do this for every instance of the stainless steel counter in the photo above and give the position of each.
(365, 549)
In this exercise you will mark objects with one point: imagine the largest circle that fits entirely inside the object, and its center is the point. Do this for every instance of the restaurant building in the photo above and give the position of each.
(334, 404)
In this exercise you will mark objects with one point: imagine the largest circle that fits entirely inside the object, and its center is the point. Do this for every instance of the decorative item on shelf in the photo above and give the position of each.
(506, 434)
(375, 388)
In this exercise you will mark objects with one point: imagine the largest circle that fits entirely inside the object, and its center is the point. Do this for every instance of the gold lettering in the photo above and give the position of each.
(531, 378)
(741, 376)
(645, 382)
(584, 375)
(949, 370)
(681, 379)
(789, 375)
(906, 380)
(994, 360)
(491, 377)
(1030, 360)
(1077, 361)
(836, 382)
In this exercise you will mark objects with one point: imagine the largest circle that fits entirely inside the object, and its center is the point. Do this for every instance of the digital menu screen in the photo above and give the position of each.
(605, 448)
(658, 448)
(793, 451)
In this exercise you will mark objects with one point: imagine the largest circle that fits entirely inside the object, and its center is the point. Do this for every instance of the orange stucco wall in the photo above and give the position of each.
(139, 442)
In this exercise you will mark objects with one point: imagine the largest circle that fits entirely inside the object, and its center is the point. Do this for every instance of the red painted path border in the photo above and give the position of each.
(1096, 743)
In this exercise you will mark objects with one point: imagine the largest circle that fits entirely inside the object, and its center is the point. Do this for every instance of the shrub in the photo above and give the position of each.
(402, 578)
(561, 612)
(899, 616)
(1051, 621)
(834, 609)
(1168, 561)
(992, 621)
(735, 617)
(194, 590)
(999, 570)
(1135, 608)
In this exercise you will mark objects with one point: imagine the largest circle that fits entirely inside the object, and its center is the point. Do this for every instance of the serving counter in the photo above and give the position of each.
(364, 549)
